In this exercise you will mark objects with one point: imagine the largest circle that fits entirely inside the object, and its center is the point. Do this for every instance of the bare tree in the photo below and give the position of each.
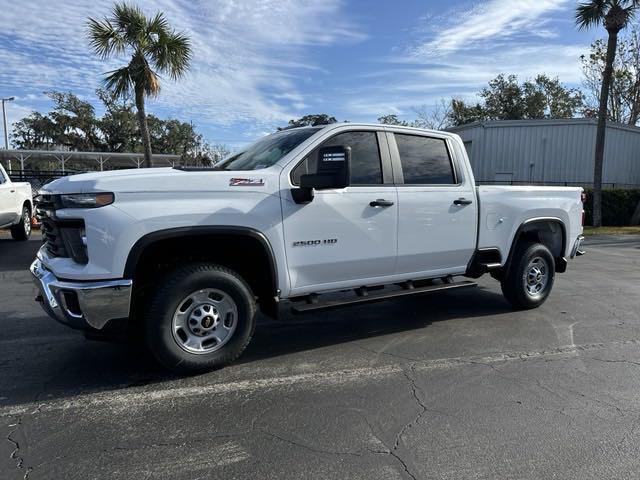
(624, 96)
(437, 117)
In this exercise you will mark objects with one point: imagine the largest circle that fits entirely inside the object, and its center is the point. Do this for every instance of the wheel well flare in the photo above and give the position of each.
(247, 252)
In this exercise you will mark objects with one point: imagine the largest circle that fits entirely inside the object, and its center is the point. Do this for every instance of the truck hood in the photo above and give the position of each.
(165, 180)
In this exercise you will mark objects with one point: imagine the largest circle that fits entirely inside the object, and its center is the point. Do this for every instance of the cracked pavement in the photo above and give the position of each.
(449, 386)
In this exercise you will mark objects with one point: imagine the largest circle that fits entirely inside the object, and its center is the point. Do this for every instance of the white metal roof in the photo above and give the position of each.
(102, 159)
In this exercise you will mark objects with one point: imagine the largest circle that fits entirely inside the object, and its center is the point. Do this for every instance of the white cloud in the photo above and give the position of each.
(247, 53)
(461, 50)
(491, 21)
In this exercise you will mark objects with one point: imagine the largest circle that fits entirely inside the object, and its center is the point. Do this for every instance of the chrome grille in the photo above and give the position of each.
(46, 206)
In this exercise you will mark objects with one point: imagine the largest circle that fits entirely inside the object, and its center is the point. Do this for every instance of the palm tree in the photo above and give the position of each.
(155, 48)
(614, 15)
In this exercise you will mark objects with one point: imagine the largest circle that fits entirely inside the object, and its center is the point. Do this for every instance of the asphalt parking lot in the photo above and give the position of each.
(449, 386)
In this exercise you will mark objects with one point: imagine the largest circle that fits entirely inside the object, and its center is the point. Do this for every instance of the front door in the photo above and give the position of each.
(437, 208)
(344, 237)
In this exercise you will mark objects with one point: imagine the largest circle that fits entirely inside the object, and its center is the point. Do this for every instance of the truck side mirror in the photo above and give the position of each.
(333, 172)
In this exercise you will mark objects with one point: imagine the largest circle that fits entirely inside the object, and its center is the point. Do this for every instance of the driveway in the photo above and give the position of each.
(449, 386)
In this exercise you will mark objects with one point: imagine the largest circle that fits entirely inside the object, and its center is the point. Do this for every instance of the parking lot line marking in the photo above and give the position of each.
(128, 400)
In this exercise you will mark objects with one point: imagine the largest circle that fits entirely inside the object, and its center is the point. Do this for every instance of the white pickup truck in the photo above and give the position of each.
(184, 256)
(16, 206)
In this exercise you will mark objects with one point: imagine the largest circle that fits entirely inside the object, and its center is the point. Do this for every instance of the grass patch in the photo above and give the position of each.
(588, 231)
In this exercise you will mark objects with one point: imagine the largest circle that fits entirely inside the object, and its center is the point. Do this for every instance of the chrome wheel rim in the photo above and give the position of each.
(536, 277)
(26, 222)
(204, 321)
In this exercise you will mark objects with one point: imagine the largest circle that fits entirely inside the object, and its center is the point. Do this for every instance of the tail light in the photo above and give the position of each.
(583, 197)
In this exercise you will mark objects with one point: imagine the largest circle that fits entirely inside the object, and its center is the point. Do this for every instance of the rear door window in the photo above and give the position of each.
(425, 160)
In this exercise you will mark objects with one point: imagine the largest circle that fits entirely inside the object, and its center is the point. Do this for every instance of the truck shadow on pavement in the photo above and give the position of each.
(16, 256)
(296, 333)
(35, 370)
(43, 361)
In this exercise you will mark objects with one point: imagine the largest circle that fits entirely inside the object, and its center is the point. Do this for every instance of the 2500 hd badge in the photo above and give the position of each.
(315, 243)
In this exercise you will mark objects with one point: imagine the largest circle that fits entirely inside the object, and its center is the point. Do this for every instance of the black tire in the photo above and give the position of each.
(173, 292)
(22, 231)
(516, 286)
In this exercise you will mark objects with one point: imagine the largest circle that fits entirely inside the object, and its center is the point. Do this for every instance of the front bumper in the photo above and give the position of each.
(82, 305)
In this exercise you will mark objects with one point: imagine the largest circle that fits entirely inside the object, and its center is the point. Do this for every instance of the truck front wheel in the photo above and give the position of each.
(22, 230)
(530, 276)
(200, 317)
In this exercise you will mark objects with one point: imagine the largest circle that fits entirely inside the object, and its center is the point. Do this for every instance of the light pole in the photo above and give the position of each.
(4, 118)
(6, 132)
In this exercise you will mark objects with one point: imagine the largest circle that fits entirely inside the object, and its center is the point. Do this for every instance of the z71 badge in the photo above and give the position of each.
(246, 182)
(315, 243)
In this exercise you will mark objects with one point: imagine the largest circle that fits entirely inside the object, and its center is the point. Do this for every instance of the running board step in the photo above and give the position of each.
(314, 307)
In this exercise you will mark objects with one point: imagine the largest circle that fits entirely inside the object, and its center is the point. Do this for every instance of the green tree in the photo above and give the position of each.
(174, 136)
(118, 125)
(392, 119)
(72, 125)
(461, 113)
(614, 15)
(34, 132)
(155, 48)
(506, 99)
(75, 122)
(546, 97)
(310, 121)
(503, 98)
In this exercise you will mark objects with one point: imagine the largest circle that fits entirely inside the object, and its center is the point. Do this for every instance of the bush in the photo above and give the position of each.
(618, 206)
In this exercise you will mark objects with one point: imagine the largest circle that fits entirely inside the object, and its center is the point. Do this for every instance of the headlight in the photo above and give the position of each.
(86, 200)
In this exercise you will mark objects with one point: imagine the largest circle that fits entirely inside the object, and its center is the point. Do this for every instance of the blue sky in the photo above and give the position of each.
(258, 63)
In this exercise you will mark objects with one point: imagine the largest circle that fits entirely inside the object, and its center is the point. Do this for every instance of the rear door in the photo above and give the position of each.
(7, 200)
(437, 208)
(341, 239)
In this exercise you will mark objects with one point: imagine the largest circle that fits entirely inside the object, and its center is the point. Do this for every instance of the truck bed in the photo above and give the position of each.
(503, 209)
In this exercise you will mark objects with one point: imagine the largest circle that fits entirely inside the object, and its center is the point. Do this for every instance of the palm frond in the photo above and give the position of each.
(120, 82)
(131, 21)
(171, 53)
(104, 38)
(590, 14)
(158, 24)
(632, 9)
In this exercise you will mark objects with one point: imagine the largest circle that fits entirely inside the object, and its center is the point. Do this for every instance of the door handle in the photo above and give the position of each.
(462, 201)
(381, 203)
(12, 191)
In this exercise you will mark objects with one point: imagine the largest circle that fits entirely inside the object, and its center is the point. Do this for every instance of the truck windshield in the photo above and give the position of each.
(268, 150)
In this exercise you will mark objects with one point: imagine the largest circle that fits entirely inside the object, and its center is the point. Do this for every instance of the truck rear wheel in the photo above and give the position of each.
(22, 230)
(200, 317)
(530, 276)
